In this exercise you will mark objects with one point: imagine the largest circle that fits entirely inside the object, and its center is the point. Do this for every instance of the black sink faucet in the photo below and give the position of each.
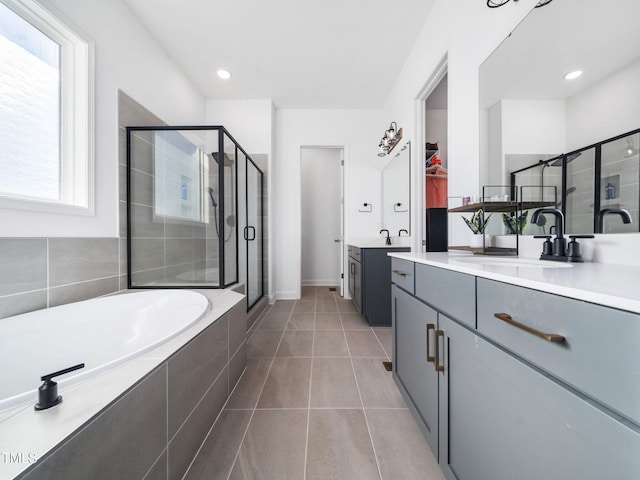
(388, 241)
(626, 217)
(558, 251)
(559, 243)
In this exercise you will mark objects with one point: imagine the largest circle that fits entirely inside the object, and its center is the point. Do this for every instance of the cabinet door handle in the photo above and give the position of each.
(439, 366)
(549, 337)
(352, 268)
(399, 272)
(430, 326)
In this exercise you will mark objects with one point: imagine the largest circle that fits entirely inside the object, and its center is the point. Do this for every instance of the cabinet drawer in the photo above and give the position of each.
(452, 293)
(402, 274)
(599, 355)
(354, 252)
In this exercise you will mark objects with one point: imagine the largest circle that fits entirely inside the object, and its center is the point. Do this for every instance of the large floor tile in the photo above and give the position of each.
(301, 321)
(401, 449)
(263, 343)
(333, 384)
(363, 343)
(296, 343)
(246, 393)
(376, 384)
(218, 452)
(305, 306)
(329, 343)
(283, 306)
(326, 306)
(328, 321)
(287, 384)
(385, 337)
(339, 446)
(308, 293)
(345, 305)
(274, 321)
(274, 447)
(353, 321)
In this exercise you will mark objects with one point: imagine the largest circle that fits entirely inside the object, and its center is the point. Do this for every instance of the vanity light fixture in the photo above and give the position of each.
(499, 3)
(390, 139)
(572, 75)
(224, 74)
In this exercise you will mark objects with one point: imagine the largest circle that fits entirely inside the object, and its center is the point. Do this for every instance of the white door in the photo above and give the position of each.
(322, 246)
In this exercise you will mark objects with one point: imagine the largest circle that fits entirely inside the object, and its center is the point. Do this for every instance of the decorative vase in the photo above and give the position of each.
(476, 240)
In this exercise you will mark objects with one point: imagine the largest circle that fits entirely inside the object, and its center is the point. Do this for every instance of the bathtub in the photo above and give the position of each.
(101, 333)
(168, 357)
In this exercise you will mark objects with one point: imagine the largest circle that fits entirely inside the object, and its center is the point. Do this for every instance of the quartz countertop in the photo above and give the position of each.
(375, 243)
(616, 286)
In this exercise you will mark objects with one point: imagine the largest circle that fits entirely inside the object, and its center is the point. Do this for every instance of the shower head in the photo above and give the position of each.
(570, 158)
(228, 161)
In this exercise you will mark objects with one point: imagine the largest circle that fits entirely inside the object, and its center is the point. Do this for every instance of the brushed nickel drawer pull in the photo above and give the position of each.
(399, 272)
(430, 326)
(549, 337)
(439, 366)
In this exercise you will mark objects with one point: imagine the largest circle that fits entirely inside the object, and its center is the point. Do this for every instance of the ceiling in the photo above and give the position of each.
(598, 38)
(300, 54)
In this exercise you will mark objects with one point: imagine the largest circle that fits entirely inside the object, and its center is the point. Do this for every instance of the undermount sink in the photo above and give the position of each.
(511, 262)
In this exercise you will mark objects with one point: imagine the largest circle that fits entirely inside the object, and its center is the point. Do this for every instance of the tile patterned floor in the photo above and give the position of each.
(315, 403)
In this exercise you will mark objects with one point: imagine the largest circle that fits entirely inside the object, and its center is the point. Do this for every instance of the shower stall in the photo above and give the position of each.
(194, 210)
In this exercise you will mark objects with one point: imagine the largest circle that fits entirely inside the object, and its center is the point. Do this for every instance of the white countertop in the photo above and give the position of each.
(612, 285)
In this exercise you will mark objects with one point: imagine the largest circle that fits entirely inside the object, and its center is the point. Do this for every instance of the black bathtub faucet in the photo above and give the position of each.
(48, 392)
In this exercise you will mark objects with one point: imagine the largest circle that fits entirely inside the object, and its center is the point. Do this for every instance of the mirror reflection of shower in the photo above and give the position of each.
(228, 165)
(555, 163)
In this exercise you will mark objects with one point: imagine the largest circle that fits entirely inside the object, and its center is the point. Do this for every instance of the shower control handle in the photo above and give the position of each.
(48, 392)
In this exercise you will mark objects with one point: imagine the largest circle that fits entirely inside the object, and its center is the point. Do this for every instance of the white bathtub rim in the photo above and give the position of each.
(25, 430)
(30, 397)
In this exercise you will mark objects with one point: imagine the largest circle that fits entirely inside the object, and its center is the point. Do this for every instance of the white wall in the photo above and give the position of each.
(359, 132)
(126, 58)
(465, 32)
(607, 109)
(248, 121)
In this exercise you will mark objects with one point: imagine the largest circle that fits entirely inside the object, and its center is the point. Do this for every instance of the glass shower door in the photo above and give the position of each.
(253, 233)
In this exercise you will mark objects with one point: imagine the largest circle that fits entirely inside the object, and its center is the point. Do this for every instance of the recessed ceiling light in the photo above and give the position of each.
(572, 75)
(224, 74)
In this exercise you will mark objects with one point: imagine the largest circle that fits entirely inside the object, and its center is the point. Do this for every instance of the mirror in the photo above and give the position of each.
(396, 190)
(531, 114)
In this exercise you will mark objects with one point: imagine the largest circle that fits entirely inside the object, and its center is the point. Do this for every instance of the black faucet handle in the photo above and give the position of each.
(48, 392)
(547, 247)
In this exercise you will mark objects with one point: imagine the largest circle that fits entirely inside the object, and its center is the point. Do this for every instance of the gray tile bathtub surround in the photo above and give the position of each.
(193, 369)
(137, 427)
(154, 431)
(38, 273)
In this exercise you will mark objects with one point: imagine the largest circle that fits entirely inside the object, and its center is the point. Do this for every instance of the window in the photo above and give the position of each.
(45, 112)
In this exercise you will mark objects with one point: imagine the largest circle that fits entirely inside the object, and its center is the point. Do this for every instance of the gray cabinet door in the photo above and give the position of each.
(415, 375)
(503, 419)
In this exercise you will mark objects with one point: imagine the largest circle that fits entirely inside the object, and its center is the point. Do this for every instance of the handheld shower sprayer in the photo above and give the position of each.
(214, 204)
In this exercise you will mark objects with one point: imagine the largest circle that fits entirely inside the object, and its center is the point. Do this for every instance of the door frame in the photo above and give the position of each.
(343, 220)
(418, 164)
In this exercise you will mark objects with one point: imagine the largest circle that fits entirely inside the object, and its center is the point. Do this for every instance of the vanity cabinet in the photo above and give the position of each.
(414, 328)
(370, 282)
(497, 401)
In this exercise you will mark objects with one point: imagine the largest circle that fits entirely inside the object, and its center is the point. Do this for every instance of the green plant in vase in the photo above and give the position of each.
(516, 224)
(477, 224)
